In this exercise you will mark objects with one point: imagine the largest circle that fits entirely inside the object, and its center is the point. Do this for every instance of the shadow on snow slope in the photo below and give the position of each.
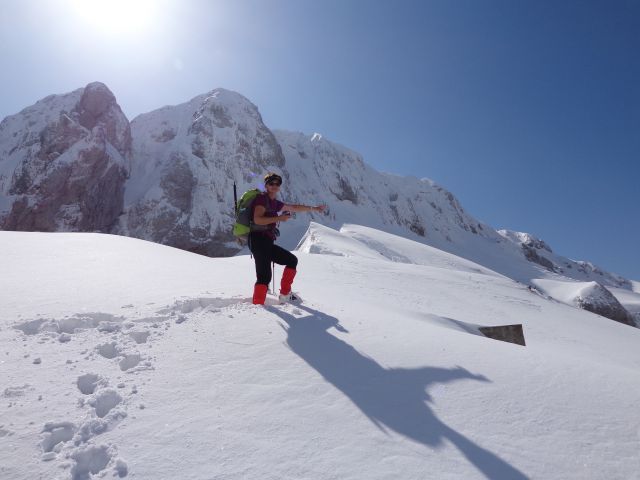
(395, 398)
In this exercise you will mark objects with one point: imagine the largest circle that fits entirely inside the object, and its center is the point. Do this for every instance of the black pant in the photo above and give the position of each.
(264, 252)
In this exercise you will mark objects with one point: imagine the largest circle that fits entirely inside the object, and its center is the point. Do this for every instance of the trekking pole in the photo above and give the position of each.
(235, 199)
(273, 276)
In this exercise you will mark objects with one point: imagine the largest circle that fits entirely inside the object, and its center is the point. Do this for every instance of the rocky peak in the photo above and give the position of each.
(98, 108)
(186, 158)
(94, 104)
(63, 162)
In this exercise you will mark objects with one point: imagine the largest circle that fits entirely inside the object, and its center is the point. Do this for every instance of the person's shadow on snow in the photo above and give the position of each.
(392, 398)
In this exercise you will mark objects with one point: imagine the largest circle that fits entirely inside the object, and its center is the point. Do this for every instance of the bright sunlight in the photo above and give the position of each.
(116, 17)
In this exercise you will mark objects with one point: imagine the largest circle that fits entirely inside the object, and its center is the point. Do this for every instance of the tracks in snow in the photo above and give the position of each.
(111, 341)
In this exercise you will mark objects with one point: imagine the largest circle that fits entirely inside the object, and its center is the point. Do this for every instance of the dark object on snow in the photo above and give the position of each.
(505, 333)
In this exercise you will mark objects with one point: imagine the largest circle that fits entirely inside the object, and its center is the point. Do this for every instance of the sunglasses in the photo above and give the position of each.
(274, 183)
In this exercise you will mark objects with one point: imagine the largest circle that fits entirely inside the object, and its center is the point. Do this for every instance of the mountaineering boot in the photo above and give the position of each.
(287, 279)
(290, 297)
(259, 293)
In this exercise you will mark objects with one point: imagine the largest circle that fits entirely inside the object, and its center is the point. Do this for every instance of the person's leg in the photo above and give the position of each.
(259, 293)
(261, 249)
(283, 257)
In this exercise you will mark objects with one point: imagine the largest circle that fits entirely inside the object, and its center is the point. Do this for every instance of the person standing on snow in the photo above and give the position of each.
(265, 215)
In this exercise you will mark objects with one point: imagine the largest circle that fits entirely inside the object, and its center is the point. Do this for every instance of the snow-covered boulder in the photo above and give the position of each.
(63, 163)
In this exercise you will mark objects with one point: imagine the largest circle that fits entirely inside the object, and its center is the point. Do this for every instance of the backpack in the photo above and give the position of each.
(244, 222)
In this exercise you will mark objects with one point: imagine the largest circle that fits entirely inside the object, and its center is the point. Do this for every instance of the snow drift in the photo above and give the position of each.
(126, 358)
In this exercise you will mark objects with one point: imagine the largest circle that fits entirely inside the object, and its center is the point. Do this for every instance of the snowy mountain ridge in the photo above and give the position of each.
(74, 163)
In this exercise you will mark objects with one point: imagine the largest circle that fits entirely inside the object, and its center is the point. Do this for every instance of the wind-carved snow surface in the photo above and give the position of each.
(126, 358)
(366, 242)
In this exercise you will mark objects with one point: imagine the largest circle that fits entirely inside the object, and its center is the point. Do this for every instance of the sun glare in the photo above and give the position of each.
(116, 16)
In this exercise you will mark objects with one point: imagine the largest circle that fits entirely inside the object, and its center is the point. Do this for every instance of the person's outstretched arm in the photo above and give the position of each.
(303, 208)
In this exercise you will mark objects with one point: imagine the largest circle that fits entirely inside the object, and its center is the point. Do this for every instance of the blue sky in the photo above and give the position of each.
(528, 111)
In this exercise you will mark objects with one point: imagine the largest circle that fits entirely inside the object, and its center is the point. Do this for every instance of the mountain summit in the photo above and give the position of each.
(63, 163)
(185, 159)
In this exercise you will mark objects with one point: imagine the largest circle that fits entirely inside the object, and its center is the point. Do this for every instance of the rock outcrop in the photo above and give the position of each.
(597, 299)
(64, 162)
(538, 251)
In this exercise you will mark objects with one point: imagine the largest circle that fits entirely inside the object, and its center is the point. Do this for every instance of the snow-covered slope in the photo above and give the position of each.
(122, 357)
(419, 209)
(618, 304)
(72, 162)
(366, 242)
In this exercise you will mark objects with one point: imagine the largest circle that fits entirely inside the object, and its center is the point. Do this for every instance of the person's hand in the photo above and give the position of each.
(286, 216)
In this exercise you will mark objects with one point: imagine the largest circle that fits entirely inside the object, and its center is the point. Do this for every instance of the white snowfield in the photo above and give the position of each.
(122, 358)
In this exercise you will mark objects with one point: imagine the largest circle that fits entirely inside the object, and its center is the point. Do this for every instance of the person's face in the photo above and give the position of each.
(273, 186)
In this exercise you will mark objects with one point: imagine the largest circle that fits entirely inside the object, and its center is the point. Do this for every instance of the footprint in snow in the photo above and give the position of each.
(140, 337)
(94, 460)
(54, 435)
(104, 401)
(88, 382)
(17, 391)
(129, 361)
(212, 304)
(103, 322)
(108, 350)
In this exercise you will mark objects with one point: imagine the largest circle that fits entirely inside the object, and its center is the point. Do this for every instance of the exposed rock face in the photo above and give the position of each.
(185, 160)
(63, 163)
(532, 255)
(322, 171)
(537, 251)
(598, 299)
